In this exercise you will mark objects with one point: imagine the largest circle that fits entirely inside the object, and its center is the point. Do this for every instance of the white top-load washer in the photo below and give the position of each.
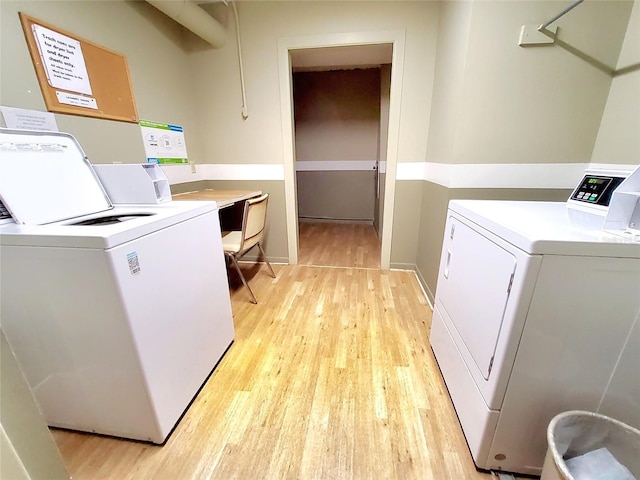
(117, 315)
(537, 311)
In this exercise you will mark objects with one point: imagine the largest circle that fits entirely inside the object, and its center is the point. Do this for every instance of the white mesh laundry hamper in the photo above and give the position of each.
(586, 445)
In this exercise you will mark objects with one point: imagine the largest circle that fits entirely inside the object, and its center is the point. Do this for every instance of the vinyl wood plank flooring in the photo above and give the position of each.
(330, 377)
(338, 244)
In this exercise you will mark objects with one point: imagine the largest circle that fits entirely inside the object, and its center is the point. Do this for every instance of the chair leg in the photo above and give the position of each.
(267, 261)
(235, 263)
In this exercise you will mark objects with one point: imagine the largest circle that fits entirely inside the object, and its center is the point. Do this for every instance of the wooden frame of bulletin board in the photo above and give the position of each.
(91, 81)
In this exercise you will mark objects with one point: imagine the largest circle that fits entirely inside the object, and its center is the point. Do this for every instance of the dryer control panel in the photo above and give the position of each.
(5, 215)
(596, 189)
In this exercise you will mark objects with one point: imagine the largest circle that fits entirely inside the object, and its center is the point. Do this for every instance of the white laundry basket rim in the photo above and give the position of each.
(558, 456)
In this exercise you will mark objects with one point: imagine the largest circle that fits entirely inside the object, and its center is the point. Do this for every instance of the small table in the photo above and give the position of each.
(230, 204)
(224, 198)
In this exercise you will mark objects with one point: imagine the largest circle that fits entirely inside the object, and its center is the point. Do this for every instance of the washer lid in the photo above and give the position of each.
(45, 177)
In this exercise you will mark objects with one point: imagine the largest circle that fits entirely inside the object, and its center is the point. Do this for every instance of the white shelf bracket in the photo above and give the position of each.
(532, 35)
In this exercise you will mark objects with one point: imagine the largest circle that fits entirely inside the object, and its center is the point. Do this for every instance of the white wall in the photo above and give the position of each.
(230, 139)
(453, 33)
(534, 104)
(618, 140)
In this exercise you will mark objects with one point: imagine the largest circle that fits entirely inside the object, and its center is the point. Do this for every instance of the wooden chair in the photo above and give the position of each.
(237, 243)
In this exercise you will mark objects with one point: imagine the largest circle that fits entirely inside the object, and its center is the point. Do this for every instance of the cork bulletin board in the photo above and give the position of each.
(78, 77)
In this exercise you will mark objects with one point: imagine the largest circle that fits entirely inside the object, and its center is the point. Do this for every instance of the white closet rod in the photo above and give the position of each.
(566, 10)
(578, 53)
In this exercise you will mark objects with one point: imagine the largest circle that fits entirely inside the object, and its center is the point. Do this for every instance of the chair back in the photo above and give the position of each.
(253, 221)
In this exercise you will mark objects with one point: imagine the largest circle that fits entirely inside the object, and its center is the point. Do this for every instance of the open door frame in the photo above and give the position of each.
(397, 39)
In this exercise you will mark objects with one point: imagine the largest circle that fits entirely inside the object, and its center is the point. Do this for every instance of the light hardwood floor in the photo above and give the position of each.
(330, 377)
(338, 244)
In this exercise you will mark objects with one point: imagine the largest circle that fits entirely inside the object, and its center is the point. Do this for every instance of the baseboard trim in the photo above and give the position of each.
(305, 219)
(425, 288)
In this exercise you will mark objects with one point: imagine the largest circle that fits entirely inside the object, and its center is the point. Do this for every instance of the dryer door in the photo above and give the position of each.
(473, 287)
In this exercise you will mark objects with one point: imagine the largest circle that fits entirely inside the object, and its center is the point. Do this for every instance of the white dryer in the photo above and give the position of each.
(537, 311)
(117, 315)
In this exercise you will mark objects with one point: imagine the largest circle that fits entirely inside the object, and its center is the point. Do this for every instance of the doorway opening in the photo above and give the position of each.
(338, 139)
(344, 52)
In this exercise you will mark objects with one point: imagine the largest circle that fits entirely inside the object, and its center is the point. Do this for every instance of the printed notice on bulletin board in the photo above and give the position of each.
(164, 143)
(63, 60)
